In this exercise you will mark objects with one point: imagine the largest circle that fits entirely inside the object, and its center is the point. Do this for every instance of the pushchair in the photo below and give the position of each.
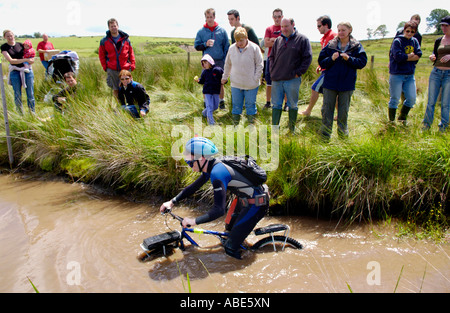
(62, 63)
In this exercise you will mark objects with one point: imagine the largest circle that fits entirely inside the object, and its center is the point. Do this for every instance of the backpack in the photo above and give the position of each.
(246, 166)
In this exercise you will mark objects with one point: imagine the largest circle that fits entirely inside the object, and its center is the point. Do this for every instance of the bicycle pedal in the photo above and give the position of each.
(270, 229)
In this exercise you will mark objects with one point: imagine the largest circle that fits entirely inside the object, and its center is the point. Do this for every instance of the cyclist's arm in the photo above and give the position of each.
(191, 189)
(220, 202)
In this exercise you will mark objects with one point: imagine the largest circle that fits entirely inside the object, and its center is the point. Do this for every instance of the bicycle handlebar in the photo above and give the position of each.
(178, 218)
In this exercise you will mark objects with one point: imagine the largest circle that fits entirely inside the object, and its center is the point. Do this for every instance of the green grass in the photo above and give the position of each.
(379, 171)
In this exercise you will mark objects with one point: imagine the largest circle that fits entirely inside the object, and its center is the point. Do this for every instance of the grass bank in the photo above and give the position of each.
(378, 172)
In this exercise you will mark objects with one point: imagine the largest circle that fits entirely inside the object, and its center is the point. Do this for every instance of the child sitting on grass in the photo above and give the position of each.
(211, 80)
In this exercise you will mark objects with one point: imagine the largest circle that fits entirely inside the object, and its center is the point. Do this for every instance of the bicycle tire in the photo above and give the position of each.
(290, 242)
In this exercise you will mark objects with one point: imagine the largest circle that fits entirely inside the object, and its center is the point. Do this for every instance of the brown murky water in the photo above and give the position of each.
(69, 238)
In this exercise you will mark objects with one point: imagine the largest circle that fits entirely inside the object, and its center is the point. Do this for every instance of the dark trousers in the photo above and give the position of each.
(329, 103)
(248, 218)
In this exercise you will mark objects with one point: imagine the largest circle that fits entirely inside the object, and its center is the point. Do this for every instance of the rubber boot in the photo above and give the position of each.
(236, 119)
(276, 116)
(251, 119)
(404, 114)
(392, 113)
(292, 119)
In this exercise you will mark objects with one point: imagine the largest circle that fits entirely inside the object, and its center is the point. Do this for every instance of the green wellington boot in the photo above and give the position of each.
(292, 119)
(236, 119)
(404, 114)
(276, 116)
(251, 119)
(392, 113)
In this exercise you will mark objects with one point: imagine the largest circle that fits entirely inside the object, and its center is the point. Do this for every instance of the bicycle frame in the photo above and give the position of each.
(185, 231)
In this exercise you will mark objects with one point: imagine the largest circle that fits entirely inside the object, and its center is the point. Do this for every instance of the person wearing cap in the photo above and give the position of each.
(211, 80)
(244, 65)
(440, 79)
(200, 154)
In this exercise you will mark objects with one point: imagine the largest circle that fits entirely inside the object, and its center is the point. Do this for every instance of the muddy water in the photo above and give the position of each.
(70, 238)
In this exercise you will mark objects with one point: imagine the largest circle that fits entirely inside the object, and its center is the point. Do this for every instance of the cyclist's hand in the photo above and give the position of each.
(166, 206)
(188, 222)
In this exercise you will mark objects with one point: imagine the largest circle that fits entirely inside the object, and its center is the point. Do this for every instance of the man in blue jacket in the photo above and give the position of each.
(213, 40)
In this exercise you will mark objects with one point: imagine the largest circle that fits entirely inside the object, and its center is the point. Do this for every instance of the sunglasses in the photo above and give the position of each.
(319, 26)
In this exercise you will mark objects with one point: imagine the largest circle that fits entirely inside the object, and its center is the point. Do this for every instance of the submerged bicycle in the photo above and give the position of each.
(163, 244)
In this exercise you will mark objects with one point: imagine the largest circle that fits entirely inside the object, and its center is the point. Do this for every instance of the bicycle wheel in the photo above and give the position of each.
(279, 241)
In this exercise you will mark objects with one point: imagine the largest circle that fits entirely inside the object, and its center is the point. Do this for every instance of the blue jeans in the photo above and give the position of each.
(439, 79)
(238, 96)
(132, 110)
(290, 88)
(399, 84)
(16, 83)
(45, 64)
(212, 104)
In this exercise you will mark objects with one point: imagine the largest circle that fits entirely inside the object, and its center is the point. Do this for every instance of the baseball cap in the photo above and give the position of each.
(445, 20)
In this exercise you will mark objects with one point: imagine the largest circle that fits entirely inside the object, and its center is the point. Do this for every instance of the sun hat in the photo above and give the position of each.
(208, 58)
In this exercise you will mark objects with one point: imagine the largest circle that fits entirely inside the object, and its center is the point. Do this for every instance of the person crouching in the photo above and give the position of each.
(132, 93)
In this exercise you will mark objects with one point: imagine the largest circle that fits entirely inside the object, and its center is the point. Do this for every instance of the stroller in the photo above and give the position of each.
(62, 63)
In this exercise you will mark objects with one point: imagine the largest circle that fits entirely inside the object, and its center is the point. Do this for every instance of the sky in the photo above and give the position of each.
(183, 18)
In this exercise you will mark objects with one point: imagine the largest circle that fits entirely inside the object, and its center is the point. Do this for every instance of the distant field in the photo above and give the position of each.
(87, 46)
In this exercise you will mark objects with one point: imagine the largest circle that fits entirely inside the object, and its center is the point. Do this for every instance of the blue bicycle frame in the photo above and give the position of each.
(184, 234)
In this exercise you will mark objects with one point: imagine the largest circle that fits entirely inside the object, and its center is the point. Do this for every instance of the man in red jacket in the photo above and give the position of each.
(115, 54)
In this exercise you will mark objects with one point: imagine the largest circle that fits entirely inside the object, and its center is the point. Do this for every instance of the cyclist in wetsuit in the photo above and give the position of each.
(199, 155)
